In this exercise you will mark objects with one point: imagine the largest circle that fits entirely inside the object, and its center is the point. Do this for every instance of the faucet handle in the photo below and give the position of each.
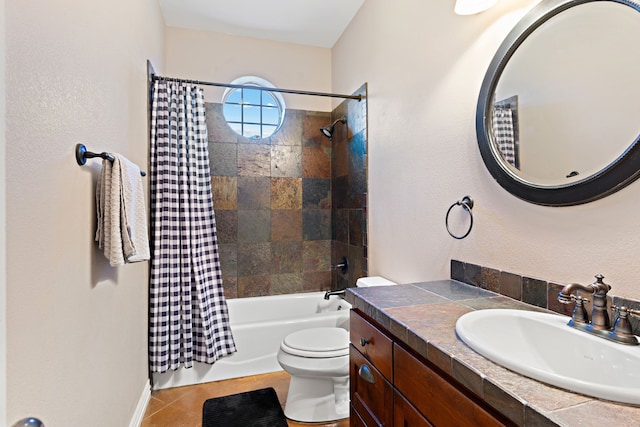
(622, 322)
(569, 298)
(579, 311)
(577, 299)
(580, 299)
(622, 331)
(626, 311)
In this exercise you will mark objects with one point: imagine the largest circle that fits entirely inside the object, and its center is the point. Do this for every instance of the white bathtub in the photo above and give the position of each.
(259, 324)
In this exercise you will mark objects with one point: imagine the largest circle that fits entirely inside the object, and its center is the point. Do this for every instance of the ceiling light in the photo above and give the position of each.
(471, 7)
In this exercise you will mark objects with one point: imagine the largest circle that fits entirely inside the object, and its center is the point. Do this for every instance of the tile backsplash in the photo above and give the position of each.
(533, 291)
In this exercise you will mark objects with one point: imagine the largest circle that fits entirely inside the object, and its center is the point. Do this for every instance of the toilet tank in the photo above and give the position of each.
(365, 282)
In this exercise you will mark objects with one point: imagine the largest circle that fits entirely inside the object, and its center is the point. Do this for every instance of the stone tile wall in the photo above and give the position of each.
(272, 199)
(349, 190)
(290, 206)
(538, 292)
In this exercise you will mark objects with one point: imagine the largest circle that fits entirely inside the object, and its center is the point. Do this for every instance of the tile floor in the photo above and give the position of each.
(182, 406)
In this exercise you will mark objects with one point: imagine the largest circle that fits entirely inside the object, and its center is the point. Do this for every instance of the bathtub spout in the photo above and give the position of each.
(336, 292)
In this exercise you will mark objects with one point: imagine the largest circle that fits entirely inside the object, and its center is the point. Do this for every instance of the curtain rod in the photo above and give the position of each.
(265, 89)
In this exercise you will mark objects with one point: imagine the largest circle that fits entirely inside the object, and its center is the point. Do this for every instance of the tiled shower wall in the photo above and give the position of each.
(349, 185)
(273, 204)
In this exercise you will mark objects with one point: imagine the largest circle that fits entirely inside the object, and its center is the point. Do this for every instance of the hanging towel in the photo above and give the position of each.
(122, 217)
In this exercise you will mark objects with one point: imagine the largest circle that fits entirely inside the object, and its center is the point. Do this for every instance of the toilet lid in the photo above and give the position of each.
(317, 342)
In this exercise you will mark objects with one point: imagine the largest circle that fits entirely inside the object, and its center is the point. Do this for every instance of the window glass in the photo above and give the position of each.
(251, 96)
(269, 99)
(270, 116)
(251, 131)
(234, 97)
(253, 113)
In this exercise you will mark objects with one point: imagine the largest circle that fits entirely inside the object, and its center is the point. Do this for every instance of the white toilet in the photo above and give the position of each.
(318, 361)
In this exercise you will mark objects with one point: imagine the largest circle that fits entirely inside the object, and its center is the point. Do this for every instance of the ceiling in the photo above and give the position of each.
(308, 22)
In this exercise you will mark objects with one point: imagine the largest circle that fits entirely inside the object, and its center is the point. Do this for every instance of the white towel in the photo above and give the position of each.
(122, 216)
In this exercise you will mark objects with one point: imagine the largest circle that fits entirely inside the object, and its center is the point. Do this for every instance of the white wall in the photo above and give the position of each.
(424, 66)
(221, 58)
(77, 334)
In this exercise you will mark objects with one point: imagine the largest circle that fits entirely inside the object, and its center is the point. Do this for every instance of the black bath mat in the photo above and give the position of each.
(257, 408)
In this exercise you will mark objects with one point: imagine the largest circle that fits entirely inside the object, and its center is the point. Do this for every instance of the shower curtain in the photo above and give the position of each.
(188, 316)
(504, 133)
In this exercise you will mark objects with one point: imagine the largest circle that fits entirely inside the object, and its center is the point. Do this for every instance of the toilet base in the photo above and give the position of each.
(313, 400)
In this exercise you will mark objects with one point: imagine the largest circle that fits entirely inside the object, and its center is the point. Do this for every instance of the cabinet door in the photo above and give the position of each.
(434, 396)
(405, 415)
(371, 393)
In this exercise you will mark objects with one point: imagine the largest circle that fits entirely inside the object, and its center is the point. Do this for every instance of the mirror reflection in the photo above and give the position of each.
(567, 102)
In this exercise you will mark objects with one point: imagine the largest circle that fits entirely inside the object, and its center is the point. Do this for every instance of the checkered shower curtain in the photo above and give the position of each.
(504, 134)
(188, 319)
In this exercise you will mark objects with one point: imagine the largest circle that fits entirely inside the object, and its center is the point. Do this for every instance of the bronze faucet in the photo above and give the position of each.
(600, 324)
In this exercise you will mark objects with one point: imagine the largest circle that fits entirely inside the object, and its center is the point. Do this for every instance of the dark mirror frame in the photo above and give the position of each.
(623, 171)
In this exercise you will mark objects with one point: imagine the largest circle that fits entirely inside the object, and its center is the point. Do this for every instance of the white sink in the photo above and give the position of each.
(541, 346)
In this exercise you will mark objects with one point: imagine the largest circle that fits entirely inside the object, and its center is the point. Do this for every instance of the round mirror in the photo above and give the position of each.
(558, 116)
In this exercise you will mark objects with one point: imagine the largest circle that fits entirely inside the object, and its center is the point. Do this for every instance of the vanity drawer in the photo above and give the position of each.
(439, 401)
(371, 393)
(372, 343)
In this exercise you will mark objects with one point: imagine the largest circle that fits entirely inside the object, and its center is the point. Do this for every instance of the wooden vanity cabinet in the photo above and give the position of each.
(406, 390)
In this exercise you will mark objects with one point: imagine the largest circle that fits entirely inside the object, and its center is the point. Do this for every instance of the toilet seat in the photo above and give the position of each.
(317, 343)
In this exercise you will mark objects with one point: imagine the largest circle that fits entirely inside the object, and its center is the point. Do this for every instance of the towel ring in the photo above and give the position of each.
(467, 205)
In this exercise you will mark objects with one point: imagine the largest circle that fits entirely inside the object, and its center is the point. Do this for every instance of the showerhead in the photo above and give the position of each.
(328, 130)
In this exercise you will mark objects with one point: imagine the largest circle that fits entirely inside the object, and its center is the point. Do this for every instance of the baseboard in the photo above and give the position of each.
(223, 369)
(143, 402)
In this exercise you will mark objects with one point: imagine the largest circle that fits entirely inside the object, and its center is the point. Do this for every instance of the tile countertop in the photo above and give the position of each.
(423, 316)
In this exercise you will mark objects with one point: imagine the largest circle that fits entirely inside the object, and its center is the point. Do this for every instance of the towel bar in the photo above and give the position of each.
(82, 155)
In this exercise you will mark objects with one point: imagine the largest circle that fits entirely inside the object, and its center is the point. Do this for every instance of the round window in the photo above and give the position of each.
(253, 113)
